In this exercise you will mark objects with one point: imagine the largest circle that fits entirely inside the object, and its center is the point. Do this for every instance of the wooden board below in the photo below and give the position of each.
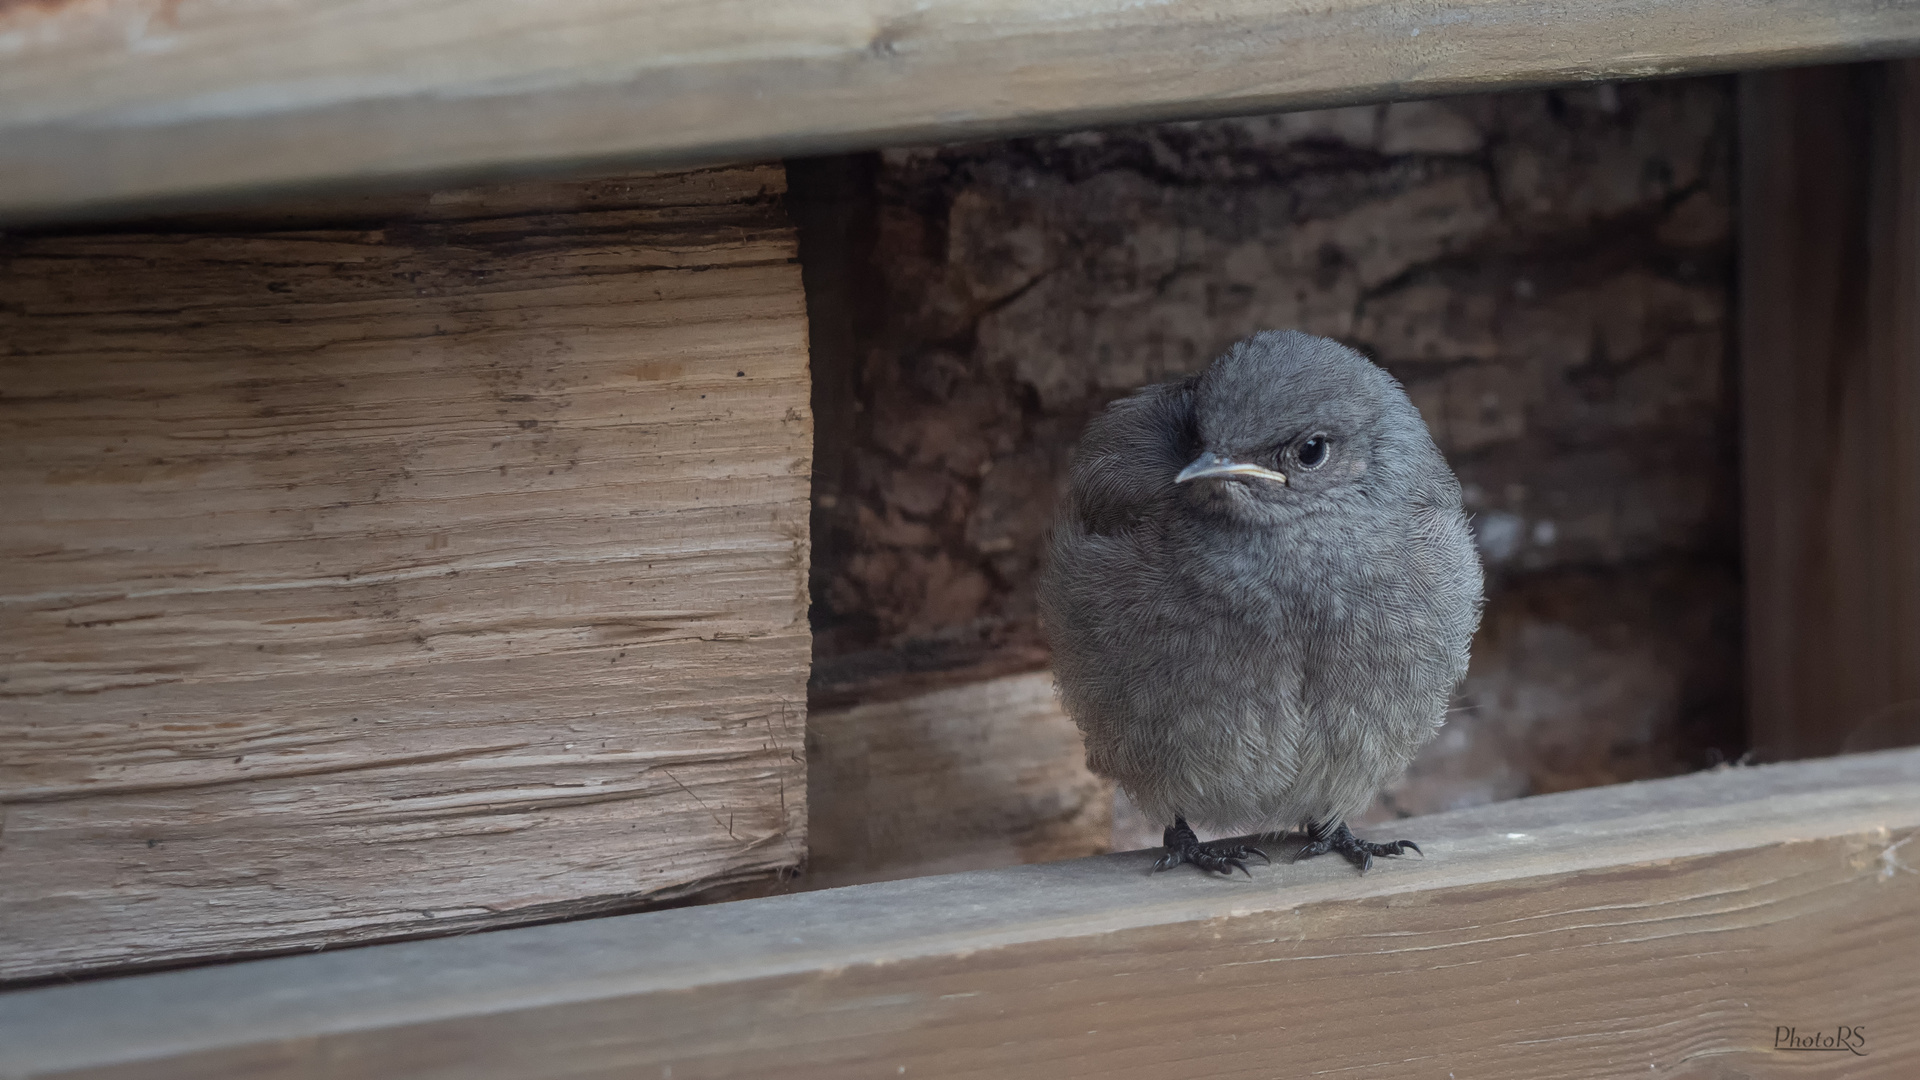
(1675, 928)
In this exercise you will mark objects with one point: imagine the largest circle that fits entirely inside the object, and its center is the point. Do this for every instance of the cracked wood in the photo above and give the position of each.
(374, 568)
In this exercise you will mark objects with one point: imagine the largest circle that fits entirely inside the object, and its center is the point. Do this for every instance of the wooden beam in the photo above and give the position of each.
(388, 568)
(107, 105)
(1673, 928)
(969, 777)
(1830, 397)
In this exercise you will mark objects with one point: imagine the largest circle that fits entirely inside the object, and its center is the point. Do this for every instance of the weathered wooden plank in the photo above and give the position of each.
(1668, 928)
(966, 778)
(394, 567)
(1830, 389)
(107, 103)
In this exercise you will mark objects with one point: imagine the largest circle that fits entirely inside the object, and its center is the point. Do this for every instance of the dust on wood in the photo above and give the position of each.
(385, 567)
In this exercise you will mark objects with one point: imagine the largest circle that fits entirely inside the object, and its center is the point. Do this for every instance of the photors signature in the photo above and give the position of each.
(1851, 1038)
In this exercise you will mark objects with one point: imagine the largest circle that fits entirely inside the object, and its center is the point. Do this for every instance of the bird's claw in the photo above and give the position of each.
(1215, 857)
(1212, 858)
(1337, 837)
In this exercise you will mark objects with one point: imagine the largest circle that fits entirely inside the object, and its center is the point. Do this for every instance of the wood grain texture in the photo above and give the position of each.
(399, 566)
(109, 102)
(1830, 384)
(967, 778)
(1665, 929)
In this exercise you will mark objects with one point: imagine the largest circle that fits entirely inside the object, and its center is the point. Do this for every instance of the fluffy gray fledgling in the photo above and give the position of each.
(1261, 594)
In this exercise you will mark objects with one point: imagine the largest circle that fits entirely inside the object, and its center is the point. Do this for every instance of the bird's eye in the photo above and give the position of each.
(1313, 452)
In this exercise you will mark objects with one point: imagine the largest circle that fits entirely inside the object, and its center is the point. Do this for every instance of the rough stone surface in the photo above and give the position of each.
(1548, 273)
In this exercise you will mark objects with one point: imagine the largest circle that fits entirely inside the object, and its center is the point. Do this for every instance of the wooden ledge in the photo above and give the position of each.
(1673, 928)
(108, 107)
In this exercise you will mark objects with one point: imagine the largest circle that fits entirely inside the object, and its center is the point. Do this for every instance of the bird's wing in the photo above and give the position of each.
(1130, 455)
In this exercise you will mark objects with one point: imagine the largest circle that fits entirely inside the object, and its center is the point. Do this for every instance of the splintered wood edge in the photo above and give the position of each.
(170, 1020)
(144, 105)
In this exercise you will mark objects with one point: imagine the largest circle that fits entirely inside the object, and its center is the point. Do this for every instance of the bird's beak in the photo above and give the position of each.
(1212, 464)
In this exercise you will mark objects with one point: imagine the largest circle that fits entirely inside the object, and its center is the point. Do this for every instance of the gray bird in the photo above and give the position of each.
(1260, 596)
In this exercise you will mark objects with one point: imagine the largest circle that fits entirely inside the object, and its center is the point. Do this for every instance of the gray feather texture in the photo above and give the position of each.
(1250, 653)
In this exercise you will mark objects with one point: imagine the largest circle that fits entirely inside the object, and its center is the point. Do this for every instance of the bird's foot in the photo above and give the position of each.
(1215, 857)
(1335, 836)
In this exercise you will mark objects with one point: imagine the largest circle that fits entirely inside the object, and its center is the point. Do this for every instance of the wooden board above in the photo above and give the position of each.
(395, 567)
(1678, 928)
(109, 104)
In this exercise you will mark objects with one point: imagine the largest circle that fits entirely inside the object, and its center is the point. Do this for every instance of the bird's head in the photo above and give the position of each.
(1286, 423)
